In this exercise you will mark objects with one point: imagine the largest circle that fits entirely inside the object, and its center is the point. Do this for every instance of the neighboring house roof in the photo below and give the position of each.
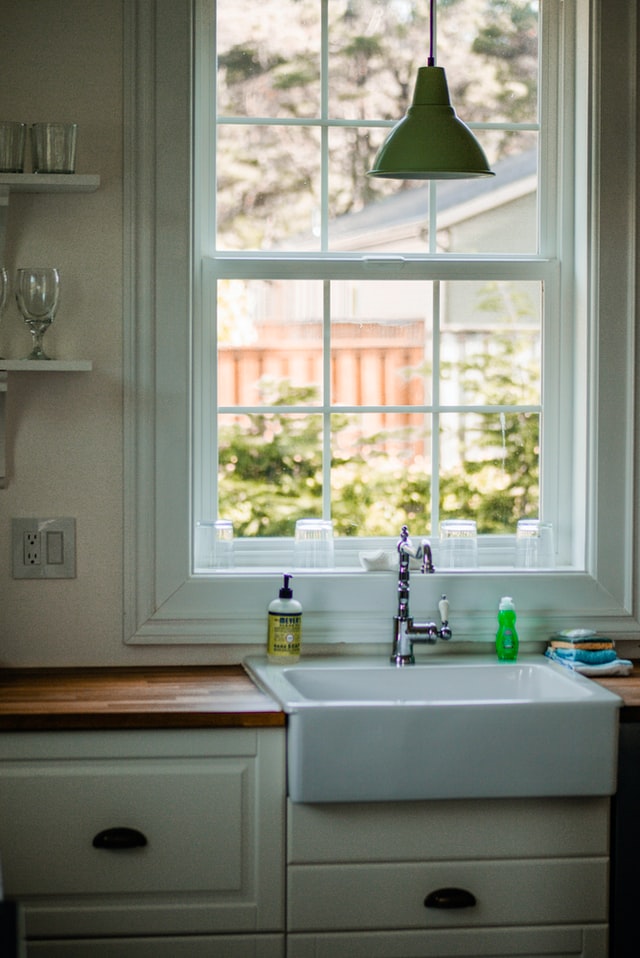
(457, 200)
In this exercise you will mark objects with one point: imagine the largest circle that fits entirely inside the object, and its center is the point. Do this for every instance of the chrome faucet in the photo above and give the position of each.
(405, 630)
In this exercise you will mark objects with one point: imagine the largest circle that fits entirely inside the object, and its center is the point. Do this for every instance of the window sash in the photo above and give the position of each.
(419, 269)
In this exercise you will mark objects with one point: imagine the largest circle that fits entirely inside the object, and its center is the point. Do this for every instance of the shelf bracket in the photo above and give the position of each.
(3, 429)
(4, 213)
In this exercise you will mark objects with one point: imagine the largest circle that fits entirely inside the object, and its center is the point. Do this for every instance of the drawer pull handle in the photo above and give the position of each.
(115, 839)
(450, 898)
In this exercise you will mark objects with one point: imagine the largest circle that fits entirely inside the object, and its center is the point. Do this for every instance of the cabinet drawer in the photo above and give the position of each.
(219, 946)
(350, 897)
(489, 943)
(190, 813)
(448, 831)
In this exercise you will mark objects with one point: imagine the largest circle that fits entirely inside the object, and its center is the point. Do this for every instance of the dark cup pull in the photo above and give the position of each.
(115, 839)
(450, 898)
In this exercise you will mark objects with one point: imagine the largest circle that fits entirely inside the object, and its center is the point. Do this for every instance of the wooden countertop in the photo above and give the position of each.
(162, 697)
(628, 688)
(133, 698)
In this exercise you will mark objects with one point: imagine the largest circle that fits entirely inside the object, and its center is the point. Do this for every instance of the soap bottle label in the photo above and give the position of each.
(507, 640)
(284, 634)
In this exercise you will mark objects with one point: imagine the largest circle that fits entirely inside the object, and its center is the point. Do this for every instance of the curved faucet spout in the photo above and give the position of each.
(406, 631)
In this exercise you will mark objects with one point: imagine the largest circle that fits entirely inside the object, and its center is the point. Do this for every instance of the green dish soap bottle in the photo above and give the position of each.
(284, 633)
(506, 636)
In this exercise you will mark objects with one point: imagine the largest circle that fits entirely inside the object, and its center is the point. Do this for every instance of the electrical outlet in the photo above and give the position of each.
(31, 548)
(44, 548)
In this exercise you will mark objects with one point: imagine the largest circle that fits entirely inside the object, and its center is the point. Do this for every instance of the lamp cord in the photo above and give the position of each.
(431, 61)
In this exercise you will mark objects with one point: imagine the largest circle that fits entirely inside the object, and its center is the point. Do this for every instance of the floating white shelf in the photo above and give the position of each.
(49, 182)
(46, 365)
(29, 366)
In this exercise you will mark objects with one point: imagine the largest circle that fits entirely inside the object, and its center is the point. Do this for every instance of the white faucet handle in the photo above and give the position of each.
(443, 608)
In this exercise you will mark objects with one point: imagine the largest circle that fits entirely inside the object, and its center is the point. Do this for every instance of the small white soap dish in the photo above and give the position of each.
(379, 561)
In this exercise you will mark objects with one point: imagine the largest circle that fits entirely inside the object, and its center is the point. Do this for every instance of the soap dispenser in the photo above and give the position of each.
(284, 633)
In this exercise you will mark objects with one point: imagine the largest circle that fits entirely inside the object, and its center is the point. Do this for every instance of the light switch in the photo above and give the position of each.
(55, 547)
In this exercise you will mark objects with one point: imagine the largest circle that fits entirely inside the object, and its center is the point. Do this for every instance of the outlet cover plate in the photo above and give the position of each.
(43, 548)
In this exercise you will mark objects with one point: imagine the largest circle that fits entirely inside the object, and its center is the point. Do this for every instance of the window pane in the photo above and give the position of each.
(375, 47)
(368, 214)
(268, 187)
(268, 58)
(490, 343)
(270, 472)
(380, 343)
(269, 342)
(490, 52)
(381, 473)
(489, 468)
(498, 214)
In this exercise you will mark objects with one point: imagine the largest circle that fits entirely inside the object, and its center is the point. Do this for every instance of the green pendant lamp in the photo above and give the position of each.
(430, 142)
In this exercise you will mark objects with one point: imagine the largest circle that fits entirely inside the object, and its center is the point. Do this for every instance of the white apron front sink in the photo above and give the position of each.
(360, 729)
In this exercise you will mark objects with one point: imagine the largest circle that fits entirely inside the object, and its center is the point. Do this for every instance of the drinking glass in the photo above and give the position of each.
(214, 544)
(534, 545)
(458, 544)
(4, 291)
(54, 147)
(12, 143)
(37, 293)
(314, 544)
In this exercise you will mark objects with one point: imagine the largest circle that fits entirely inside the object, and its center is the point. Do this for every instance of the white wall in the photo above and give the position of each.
(62, 60)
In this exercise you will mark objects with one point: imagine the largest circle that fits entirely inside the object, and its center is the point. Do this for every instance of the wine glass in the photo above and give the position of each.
(4, 290)
(37, 293)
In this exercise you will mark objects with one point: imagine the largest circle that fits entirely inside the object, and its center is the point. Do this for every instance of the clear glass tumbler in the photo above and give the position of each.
(458, 544)
(534, 545)
(313, 547)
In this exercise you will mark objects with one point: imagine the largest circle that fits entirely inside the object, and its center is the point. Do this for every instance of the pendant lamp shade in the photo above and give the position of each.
(430, 142)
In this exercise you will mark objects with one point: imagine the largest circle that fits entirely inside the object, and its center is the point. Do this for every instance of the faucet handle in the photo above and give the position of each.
(443, 608)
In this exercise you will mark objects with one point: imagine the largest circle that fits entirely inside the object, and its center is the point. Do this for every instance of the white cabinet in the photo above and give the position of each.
(120, 843)
(528, 877)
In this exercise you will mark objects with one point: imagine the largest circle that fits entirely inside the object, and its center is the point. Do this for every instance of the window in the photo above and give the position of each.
(468, 300)
(377, 349)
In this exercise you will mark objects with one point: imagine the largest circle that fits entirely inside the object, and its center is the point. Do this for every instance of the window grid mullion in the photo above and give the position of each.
(327, 399)
(324, 132)
(435, 418)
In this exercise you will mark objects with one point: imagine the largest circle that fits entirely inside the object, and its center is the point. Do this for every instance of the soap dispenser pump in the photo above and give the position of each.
(284, 633)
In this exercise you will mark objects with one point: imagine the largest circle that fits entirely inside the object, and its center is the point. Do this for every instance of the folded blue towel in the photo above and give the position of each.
(594, 657)
(616, 667)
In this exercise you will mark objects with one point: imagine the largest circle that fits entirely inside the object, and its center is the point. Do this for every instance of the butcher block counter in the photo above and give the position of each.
(133, 698)
(628, 688)
(163, 697)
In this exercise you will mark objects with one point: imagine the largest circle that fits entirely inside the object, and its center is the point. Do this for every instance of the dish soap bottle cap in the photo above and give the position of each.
(285, 591)
(506, 602)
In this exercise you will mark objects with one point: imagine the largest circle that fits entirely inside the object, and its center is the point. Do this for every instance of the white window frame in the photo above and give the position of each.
(165, 603)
